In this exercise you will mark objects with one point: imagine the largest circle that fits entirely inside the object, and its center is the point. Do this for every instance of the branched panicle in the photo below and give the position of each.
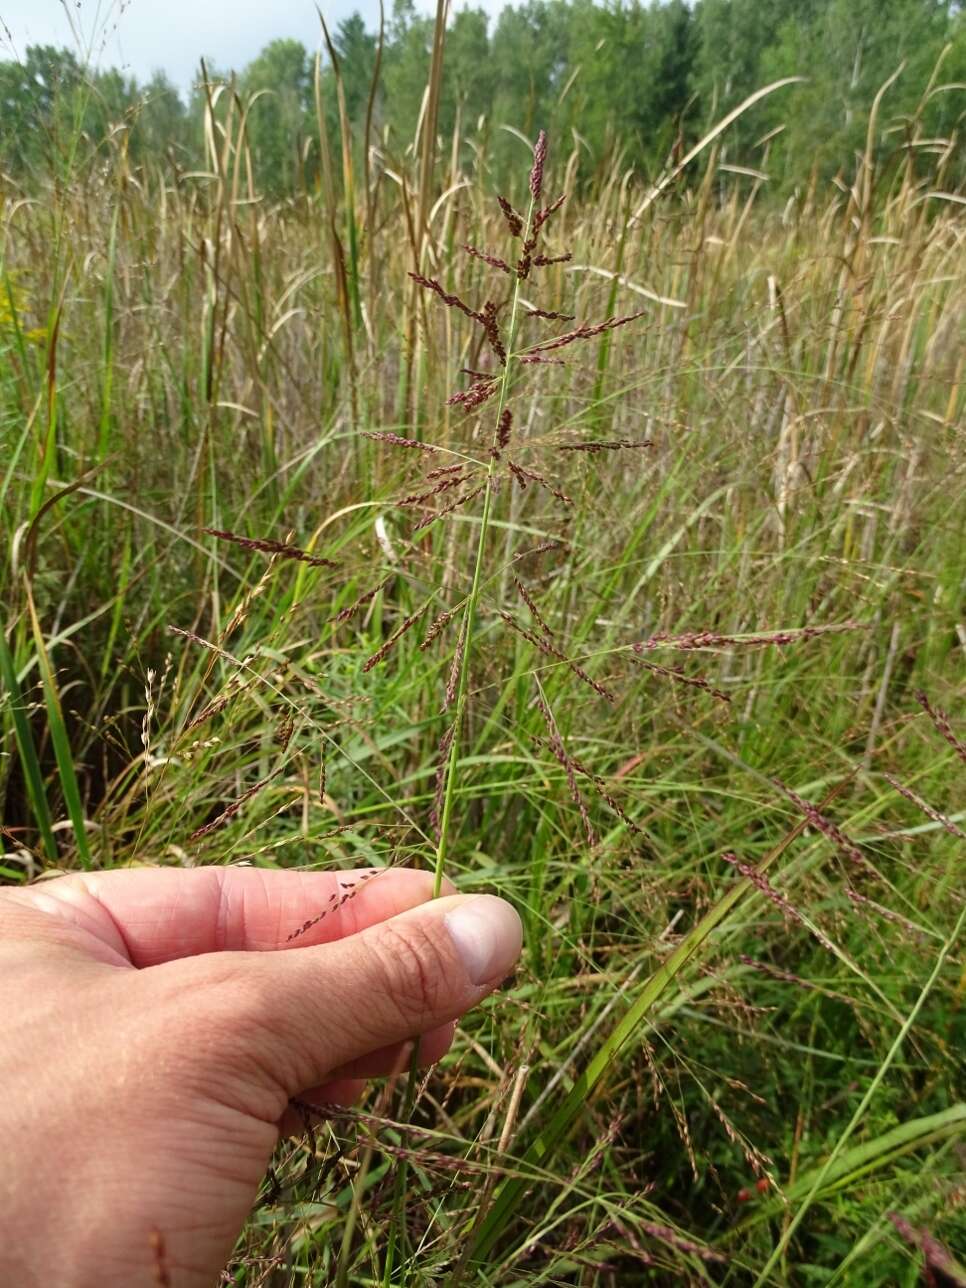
(537, 359)
(941, 720)
(451, 301)
(514, 221)
(397, 440)
(494, 261)
(281, 549)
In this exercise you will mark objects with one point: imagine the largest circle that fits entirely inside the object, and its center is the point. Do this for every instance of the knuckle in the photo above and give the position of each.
(413, 968)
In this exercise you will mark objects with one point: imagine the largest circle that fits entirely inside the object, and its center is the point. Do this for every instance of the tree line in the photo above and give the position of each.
(628, 82)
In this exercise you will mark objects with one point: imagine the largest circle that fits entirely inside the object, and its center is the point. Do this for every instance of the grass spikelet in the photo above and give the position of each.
(397, 440)
(442, 760)
(544, 261)
(448, 509)
(504, 429)
(383, 652)
(280, 549)
(491, 329)
(926, 808)
(597, 782)
(677, 674)
(451, 301)
(539, 161)
(442, 470)
(494, 261)
(586, 331)
(664, 1234)
(541, 216)
(822, 824)
(549, 316)
(550, 650)
(523, 476)
(543, 548)
(556, 744)
(941, 720)
(528, 600)
(452, 683)
(437, 626)
(475, 396)
(606, 445)
(225, 817)
(711, 639)
(444, 484)
(862, 901)
(365, 598)
(513, 221)
(789, 912)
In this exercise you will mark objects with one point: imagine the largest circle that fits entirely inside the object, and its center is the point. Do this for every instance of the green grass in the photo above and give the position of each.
(675, 1033)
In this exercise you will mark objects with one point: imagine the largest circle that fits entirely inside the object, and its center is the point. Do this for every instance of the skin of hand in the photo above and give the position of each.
(157, 1022)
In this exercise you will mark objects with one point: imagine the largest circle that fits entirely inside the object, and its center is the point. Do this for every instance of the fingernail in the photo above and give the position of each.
(487, 934)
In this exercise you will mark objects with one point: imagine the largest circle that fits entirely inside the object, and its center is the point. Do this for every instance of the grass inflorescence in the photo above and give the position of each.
(607, 553)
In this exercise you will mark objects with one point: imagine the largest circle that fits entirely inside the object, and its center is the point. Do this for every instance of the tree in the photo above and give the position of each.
(36, 97)
(848, 51)
(281, 78)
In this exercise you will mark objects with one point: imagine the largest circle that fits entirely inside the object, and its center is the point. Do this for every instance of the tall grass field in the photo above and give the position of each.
(615, 565)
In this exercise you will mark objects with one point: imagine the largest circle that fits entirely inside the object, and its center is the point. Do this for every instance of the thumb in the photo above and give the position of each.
(303, 1012)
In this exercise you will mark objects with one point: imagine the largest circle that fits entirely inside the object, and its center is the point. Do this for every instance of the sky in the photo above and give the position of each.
(143, 36)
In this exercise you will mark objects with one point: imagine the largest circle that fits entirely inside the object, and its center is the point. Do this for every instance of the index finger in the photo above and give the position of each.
(154, 915)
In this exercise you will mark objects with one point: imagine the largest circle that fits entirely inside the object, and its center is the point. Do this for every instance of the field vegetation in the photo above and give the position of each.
(660, 636)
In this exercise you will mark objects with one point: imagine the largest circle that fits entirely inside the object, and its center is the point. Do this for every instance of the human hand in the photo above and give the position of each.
(152, 1042)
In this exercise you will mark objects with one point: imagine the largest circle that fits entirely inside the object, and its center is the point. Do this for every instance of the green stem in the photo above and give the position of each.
(469, 619)
(863, 1105)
